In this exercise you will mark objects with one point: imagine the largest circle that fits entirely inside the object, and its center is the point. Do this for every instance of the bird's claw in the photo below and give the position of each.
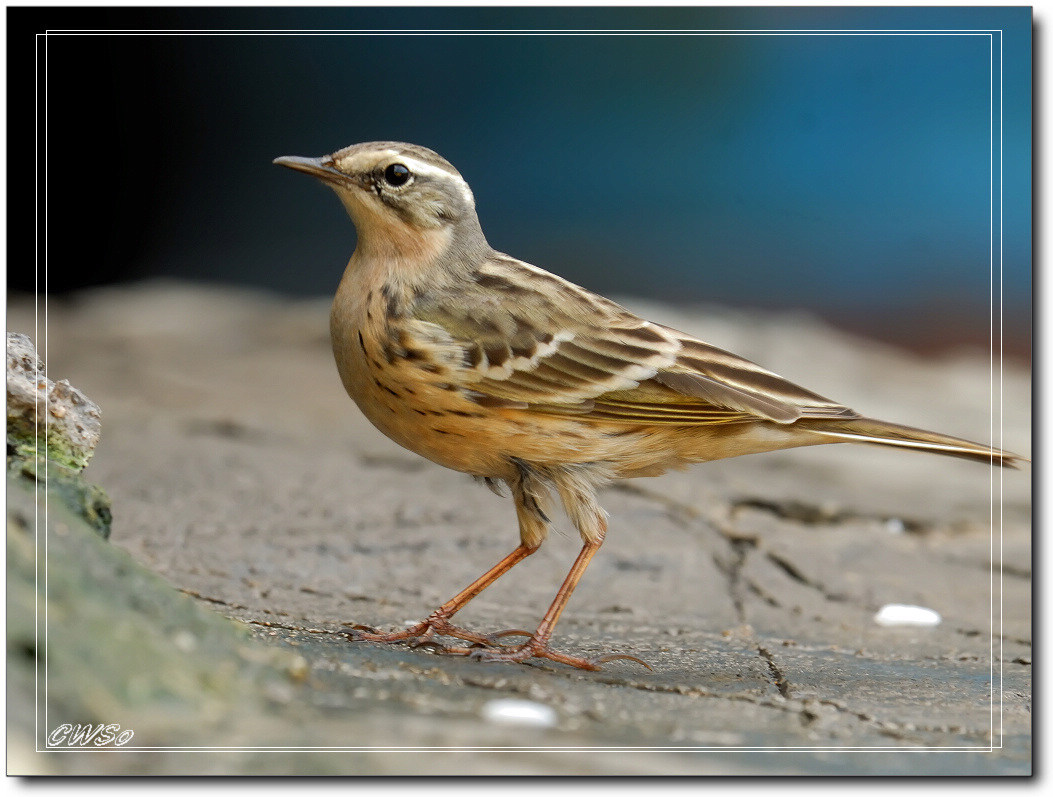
(422, 634)
(360, 627)
(509, 632)
(538, 650)
(626, 656)
(366, 633)
(481, 647)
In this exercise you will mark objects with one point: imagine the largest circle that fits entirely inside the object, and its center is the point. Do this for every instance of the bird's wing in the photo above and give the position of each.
(521, 337)
(713, 375)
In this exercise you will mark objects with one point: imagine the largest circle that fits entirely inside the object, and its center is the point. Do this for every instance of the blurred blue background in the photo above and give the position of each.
(849, 175)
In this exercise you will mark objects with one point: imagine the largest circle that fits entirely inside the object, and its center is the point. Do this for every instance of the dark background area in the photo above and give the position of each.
(848, 175)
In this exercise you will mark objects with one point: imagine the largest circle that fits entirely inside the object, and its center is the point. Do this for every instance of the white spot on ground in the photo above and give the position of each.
(895, 526)
(519, 712)
(893, 614)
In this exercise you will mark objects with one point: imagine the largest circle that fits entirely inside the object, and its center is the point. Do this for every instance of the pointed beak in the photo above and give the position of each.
(322, 168)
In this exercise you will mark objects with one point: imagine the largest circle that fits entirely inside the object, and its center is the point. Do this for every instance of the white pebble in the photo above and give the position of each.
(520, 712)
(902, 614)
(895, 526)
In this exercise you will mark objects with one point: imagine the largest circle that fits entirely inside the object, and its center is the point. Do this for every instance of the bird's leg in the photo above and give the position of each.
(537, 645)
(438, 622)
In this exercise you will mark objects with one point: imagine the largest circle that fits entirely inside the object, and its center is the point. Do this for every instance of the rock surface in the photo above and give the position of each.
(52, 431)
(56, 415)
(244, 477)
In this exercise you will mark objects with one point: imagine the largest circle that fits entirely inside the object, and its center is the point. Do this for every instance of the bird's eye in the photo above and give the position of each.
(396, 174)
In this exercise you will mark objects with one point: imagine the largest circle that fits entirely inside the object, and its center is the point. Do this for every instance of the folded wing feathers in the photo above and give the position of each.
(724, 395)
(574, 367)
(549, 352)
(580, 367)
(717, 376)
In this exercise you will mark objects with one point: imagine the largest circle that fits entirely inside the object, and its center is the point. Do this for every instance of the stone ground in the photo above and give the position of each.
(243, 477)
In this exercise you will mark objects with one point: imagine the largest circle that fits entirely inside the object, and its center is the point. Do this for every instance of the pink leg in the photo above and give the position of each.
(438, 622)
(537, 646)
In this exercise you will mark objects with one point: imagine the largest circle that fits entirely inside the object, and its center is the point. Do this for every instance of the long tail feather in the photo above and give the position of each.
(869, 430)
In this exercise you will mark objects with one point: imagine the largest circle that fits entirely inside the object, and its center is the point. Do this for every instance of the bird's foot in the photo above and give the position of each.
(538, 649)
(423, 635)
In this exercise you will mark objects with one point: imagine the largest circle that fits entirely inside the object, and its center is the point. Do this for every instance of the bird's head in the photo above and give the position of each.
(398, 195)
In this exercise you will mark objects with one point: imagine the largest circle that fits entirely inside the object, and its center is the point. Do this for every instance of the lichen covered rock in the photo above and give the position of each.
(45, 419)
(52, 431)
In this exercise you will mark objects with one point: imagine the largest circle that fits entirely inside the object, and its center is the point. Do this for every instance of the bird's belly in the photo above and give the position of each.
(452, 431)
(437, 420)
(445, 426)
(449, 428)
(455, 432)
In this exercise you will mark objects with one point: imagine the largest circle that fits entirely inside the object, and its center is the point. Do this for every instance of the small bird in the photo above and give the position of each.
(499, 369)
